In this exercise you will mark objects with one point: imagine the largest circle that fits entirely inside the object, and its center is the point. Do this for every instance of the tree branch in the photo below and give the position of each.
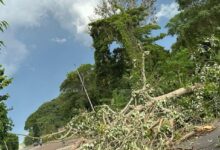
(90, 102)
(6, 146)
(178, 92)
(175, 94)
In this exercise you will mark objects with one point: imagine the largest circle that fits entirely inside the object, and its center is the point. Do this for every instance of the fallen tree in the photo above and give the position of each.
(179, 92)
(153, 124)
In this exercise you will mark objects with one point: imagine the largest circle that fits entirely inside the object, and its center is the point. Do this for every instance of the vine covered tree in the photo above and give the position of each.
(124, 23)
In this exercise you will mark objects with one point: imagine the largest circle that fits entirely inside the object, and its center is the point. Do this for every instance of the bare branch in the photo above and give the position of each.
(179, 92)
(90, 102)
(6, 147)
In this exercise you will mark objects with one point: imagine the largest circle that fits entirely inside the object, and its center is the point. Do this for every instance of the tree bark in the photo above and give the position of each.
(175, 94)
(178, 93)
(6, 146)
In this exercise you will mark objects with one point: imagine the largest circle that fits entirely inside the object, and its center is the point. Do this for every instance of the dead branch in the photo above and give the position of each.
(83, 84)
(112, 111)
(155, 124)
(6, 146)
(187, 136)
(50, 135)
(64, 136)
(144, 91)
(175, 94)
(178, 93)
(127, 106)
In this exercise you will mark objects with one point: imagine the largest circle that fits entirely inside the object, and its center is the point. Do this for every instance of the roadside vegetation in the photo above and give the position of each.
(137, 95)
(8, 141)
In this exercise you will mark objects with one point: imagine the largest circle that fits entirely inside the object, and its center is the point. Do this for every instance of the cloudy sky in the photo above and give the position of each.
(44, 41)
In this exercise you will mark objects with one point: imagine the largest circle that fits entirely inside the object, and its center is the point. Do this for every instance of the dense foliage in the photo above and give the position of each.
(72, 100)
(120, 68)
(140, 73)
(12, 142)
(198, 19)
(5, 122)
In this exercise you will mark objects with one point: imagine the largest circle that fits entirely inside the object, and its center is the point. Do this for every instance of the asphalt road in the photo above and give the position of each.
(57, 145)
(209, 141)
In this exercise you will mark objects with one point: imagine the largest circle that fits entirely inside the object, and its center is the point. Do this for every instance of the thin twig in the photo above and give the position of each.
(6, 145)
(90, 102)
(185, 137)
(155, 124)
(63, 137)
(126, 107)
(112, 111)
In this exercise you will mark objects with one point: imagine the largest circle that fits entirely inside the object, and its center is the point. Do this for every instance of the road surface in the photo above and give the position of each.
(71, 144)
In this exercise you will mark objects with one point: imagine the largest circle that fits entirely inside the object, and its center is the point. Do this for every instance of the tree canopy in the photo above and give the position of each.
(72, 100)
(198, 19)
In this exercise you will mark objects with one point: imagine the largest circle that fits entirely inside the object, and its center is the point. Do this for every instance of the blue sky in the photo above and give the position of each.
(43, 43)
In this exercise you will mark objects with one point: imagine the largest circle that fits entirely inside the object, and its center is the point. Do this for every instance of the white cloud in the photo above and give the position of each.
(168, 10)
(59, 40)
(72, 15)
(13, 54)
(25, 13)
(84, 11)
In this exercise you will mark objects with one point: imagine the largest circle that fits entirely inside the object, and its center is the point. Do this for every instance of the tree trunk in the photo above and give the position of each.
(178, 93)
(175, 94)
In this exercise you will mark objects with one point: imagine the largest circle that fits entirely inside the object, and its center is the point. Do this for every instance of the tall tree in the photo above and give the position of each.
(198, 19)
(126, 25)
(72, 100)
(108, 8)
(5, 122)
(12, 142)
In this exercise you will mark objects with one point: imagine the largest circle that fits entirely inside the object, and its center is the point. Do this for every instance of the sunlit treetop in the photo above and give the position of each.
(108, 8)
(197, 20)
